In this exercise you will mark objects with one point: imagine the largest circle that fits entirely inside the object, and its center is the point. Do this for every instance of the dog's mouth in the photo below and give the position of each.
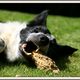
(28, 47)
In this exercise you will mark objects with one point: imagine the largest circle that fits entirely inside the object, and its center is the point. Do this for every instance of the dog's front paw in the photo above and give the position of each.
(2, 45)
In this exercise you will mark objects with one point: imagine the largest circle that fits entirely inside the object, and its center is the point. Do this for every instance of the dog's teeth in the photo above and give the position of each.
(26, 52)
(37, 50)
(24, 45)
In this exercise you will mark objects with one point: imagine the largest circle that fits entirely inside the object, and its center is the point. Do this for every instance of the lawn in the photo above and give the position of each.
(65, 29)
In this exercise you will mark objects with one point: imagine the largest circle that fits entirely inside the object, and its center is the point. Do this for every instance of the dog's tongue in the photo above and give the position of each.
(29, 46)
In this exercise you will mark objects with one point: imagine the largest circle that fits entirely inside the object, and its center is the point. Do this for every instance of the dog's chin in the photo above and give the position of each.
(28, 47)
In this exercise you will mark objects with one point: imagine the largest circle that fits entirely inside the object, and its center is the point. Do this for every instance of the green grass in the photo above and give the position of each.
(65, 29)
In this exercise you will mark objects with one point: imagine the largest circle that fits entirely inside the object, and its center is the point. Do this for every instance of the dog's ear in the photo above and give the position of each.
(39, 19)
(58, 52)
(69, 50)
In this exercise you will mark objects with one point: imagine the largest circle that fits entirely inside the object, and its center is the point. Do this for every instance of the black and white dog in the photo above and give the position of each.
(14, 34)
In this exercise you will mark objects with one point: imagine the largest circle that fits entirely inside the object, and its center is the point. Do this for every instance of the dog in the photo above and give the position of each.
(35, 32)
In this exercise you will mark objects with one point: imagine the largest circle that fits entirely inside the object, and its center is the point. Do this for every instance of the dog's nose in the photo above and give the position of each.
(44, 40)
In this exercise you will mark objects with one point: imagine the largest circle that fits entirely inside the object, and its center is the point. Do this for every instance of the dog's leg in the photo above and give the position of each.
(2, 45)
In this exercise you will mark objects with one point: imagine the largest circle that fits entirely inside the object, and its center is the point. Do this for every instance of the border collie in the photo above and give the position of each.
(35, 32)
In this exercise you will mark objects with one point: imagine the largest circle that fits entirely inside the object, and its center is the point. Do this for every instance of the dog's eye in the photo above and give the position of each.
(37, 30)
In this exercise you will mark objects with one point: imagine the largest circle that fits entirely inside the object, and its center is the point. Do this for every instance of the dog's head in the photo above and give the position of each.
(36, 32)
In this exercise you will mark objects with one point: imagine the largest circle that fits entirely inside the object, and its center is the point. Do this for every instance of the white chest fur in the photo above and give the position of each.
(10, 33)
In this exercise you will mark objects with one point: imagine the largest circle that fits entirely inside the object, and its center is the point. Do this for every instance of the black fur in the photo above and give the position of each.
(57, 51)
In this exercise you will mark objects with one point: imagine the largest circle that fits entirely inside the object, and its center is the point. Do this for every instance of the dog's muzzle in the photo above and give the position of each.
(39, 39)
(36, 41)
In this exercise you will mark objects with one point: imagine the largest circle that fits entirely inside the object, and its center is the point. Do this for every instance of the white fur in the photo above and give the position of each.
(10, 33)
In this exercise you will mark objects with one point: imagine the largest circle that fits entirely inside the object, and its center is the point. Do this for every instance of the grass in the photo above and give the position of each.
(65, 29)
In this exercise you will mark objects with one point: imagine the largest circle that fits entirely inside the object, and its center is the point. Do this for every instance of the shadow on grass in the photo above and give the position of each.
(4, 62)
(16, 63)
(62, 63)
